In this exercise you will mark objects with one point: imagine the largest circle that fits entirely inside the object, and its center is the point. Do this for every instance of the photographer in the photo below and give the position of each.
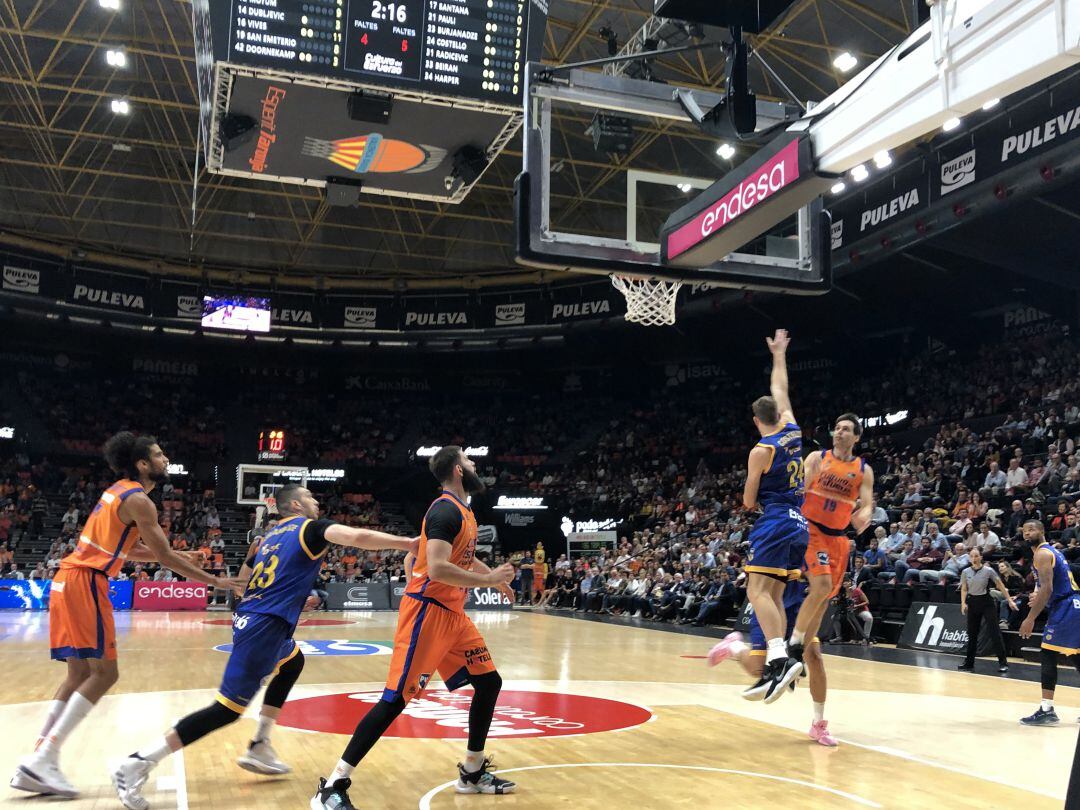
(852, 607)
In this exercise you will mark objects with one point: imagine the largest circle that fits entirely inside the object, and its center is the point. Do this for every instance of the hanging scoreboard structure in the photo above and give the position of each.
(410, 99)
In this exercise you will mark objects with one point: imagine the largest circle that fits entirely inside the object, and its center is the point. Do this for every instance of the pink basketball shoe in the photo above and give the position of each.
(819, 733)
(723, 651)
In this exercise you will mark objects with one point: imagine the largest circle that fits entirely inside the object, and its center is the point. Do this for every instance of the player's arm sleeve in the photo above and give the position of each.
(443, 522)
(313, 536)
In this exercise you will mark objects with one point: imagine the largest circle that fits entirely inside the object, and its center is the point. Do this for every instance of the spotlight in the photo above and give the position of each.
(726, 151)
(120, 106)
(116, 57)
(110, 5)
(845, 62)
(950, 125)
(860, 173)
(883, 159)
(838, 187)
(991, 103)
(684, 187)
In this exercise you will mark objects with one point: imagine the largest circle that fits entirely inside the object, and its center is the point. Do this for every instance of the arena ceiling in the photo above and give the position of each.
(81, 180)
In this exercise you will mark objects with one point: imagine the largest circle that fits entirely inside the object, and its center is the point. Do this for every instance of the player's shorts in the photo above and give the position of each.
(261, 644)
(772, 539)
(81, 615)
(432, 639)
(1062, 631)
(827, 554)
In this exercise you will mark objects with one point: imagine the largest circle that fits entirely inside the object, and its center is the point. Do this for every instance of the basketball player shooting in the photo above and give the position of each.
(281, 572)
(122, 526)
(774, 486)
(435, 635)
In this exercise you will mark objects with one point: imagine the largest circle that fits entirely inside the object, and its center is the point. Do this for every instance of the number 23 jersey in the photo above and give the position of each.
(284, 567)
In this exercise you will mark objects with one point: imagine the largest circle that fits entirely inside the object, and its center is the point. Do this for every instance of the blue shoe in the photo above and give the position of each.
(1041, 718)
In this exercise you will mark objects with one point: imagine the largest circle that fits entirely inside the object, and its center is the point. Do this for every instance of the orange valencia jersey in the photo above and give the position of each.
(831, 496)
(446, 518)
(105, 536)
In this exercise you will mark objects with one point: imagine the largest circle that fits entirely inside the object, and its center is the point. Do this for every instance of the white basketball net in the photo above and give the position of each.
(650, 302)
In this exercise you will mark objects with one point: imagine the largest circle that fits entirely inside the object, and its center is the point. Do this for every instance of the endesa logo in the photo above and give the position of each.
(170, 596)
(779, 171)
(440, 714)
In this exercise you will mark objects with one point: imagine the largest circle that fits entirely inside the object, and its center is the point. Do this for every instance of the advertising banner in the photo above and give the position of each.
(183, 301)
(170, 596)
(112, 291)
(940, 627)
(294, 310)
(358, 596)
(486, 599)
(397, 591)
(444, 312)
(361, 313)
(33, 594)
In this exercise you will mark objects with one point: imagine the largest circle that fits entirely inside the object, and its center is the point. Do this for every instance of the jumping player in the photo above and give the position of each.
(435, 635)
(774, 485)
(81, 629)
(752, 659)
(281, 572)
(1057, 589)
(836, 482)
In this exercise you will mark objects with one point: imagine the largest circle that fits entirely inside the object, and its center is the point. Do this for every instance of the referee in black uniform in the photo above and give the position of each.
(978, 605)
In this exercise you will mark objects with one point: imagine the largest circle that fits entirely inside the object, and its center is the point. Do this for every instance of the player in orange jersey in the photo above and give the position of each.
(435, 635)
(122, 526)
(839, 492)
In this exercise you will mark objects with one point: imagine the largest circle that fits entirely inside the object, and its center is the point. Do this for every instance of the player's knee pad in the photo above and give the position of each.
(488, 683)
(1049, 665)
(198, 724)
(277, 691)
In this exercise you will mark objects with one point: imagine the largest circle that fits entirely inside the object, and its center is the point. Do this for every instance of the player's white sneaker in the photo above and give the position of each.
(43, 771)
(261, 758)
(128, 777)
(483, 780)
(23, 781)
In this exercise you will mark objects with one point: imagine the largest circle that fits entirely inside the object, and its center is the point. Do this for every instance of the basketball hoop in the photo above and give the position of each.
(649, 301)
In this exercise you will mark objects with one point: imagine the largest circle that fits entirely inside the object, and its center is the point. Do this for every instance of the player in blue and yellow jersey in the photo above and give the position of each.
(774, 486)
(435, 636)
(122, 526)
(1056, 590)
(280, 575)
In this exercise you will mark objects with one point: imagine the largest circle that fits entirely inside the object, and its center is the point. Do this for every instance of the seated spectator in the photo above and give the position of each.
(995, 482)
(1059, 521)
(925, 558)
(938, 541)
(1016, 479)
(70, 521)
(719, 602)
(986, 540)
(874, 556)
(895, 560)
(955, 561)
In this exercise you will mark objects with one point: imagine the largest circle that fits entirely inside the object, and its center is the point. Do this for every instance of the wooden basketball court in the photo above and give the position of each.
(593, 715)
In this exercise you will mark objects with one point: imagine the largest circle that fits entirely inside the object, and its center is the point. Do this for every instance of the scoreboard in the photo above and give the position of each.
(473, 49)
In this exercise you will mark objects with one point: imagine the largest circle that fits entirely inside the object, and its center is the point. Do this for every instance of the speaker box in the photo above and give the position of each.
(342, 191)
(374, 108)
(236, 130)
(753, 16)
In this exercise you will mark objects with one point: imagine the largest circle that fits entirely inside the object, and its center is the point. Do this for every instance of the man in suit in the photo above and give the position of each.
(719, 600)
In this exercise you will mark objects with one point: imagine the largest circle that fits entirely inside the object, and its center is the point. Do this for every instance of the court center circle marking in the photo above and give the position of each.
(425, 801)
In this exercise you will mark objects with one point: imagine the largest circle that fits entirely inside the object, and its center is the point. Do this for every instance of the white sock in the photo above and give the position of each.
(342, 771)
(155, 752)
(262, 732)
(776, 650)
(819, 712)
(474, 760)
(1047, 705)
(55, 708)
(797, 637)
(74, 711)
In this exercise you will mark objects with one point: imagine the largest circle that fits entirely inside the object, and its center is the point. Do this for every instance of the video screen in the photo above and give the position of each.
(240, 313)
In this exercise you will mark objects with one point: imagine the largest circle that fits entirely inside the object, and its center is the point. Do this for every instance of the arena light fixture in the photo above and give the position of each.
(110, 5)
(726, 151)
(991, 104)
(684, 187)
(120, 106)
(860, 173)
(845, 62)
(116, 57)
(883, 159)
(950, 125)
(838, 187)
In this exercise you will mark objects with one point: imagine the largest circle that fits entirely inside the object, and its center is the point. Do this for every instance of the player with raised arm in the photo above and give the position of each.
(774, 486)
(281, 571)
(839, 492)
(122, 526)
(1056, 591)
(435, 635)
